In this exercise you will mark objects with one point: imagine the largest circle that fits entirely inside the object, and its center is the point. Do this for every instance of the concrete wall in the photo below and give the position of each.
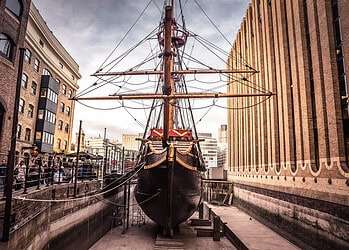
(33, 217)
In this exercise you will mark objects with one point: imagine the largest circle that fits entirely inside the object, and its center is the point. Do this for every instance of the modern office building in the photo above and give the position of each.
(14, 17)
(223, 134)
(209, 149)
(50, 77)
(289, 154)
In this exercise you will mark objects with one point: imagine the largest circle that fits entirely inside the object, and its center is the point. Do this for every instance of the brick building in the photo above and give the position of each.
(289, 154)
(13, 23)
(49, 79)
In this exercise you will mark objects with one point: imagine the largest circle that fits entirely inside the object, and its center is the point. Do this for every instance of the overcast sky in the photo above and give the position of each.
(90, 29)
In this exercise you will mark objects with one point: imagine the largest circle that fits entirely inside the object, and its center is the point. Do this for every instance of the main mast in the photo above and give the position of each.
(168, 88)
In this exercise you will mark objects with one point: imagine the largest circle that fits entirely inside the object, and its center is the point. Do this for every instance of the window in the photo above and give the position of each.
(66, 128)
(15, 6)
(50, 117)
(73, 77)
(67, 111)
(49, 94)
(6, 46)
(43, 93)
(52, 96)
(19, 131)
(59, 142)
(60, 125)
(34, 88)
(27, 56)
(65, 145)
(30, 111)
(46, 72)
(42, 43)
(62, 108)
(47, 138)
(70, 93)
(27, 134)
(21, 105)
(24, 81)
(41, 113)
(38, 136)
(64, 89)
(36, 65)
(61, 65)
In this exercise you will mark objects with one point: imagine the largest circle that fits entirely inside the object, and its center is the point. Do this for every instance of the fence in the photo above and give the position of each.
(218, 192)
(34, 173)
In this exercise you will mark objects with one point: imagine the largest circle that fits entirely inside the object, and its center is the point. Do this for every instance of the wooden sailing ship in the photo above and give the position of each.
(169, 183)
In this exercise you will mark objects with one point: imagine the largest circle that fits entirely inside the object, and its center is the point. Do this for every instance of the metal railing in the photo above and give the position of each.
(31, 174)
(217, 191)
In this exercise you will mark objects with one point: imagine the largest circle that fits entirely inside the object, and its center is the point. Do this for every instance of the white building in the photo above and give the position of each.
(105, 148)
(129, 141)
(209, 149)
(222, 157)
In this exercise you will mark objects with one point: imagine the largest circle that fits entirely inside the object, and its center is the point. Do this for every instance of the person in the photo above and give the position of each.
(3, 168)
(20, 169)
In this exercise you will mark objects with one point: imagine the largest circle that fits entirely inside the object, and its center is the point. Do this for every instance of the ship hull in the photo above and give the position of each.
(169, 193)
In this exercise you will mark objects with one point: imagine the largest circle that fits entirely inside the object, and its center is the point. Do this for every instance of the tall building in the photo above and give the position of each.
(129, 141)
(13, 24)
(50, 77)
(289, 155)
(222, 134)
(222, 154)
(208, 149)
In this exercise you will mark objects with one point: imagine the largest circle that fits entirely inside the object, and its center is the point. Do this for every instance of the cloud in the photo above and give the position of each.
(89, 30)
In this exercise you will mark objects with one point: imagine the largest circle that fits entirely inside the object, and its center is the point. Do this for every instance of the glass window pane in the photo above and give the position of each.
(15, 6)
(5, 46)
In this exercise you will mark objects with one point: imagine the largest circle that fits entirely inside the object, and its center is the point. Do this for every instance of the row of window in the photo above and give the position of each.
(49, 94)
(64, 109)
(42, 114)
(30, 112)
(47, 138)
(68, 93)
(61, 124)
(27, 134)
(46, 72)
(59, 144)
(47, 115)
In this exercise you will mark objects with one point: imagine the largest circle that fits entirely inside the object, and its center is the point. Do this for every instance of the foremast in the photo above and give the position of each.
(168, 87)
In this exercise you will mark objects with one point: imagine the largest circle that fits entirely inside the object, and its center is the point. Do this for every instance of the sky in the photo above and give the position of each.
(90, 29)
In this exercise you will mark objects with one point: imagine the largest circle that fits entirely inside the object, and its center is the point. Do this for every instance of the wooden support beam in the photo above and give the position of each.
(178, 72)
(173, 96)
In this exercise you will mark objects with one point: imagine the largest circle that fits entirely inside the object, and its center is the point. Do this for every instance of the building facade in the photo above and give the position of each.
(209, 149)
(289, 154)
(50, 77)
(223, 134)
(222, 154)
(13, 24)
(130, 142)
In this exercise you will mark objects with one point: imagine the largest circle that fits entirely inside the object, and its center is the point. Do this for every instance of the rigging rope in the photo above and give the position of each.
(126, 34)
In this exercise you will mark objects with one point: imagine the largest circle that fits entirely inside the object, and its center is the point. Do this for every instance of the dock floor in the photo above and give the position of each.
(251, 232)
(144, 238)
